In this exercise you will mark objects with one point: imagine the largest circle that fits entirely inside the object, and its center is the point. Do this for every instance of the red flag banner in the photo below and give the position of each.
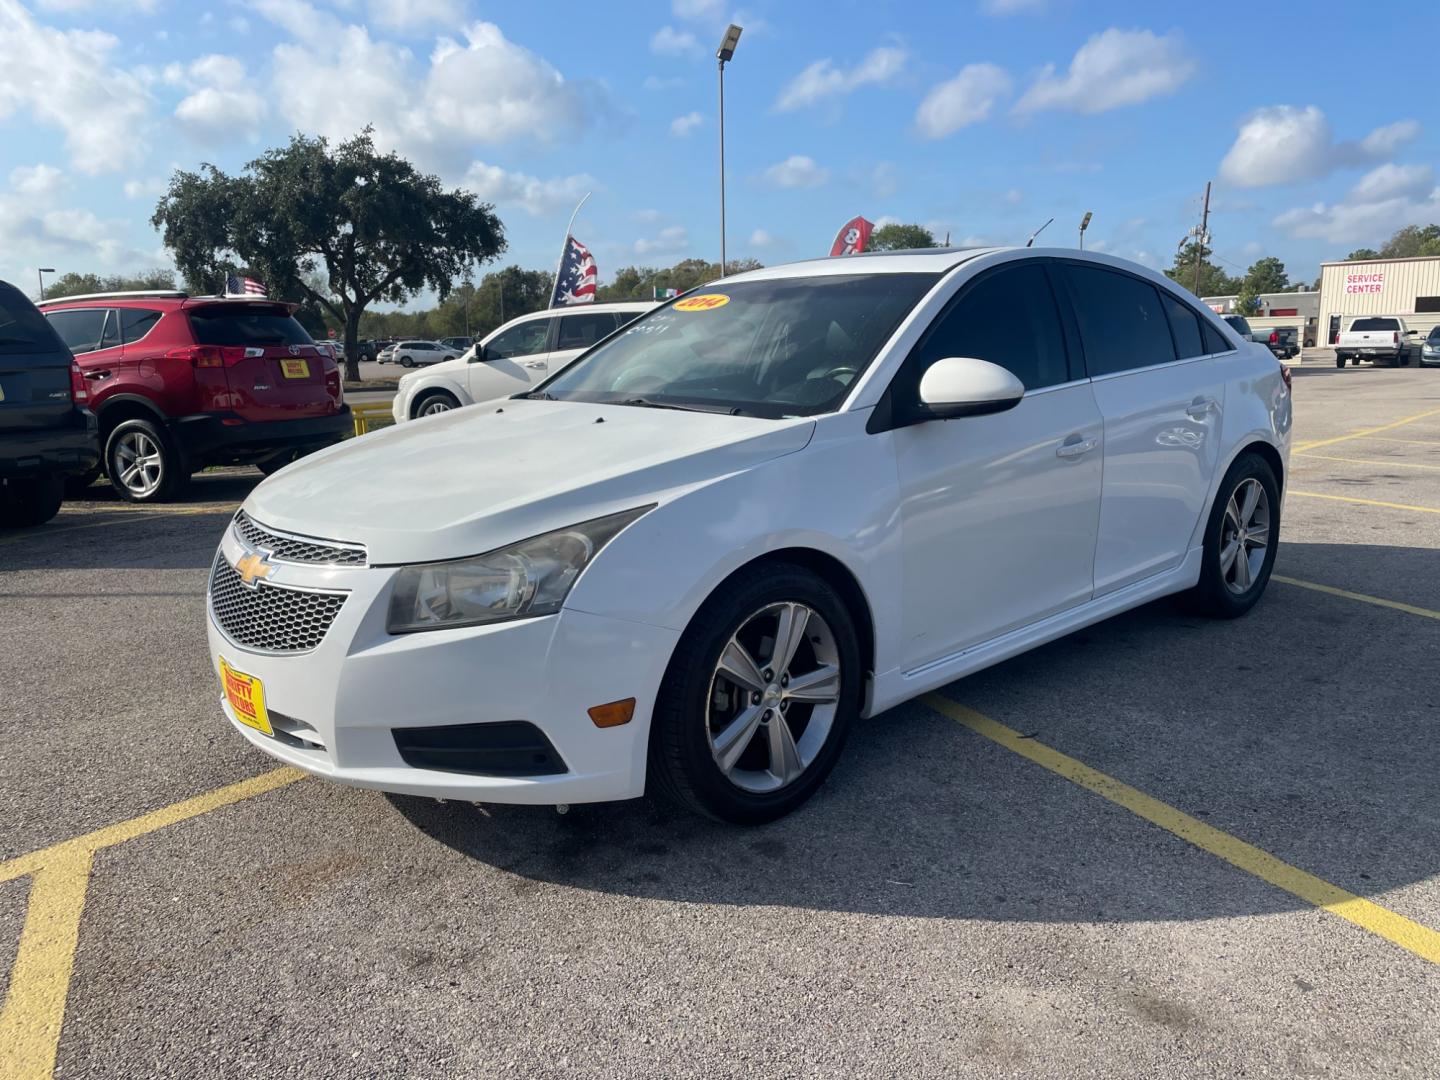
(852, 237)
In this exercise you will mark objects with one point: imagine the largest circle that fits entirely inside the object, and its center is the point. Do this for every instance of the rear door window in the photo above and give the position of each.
(582, 331)
(135, 323)
(1185, 325)
(82, 329)
(1375, 324)
(253, 326)
(22, 328)
(1214, 340)
(1121, 321)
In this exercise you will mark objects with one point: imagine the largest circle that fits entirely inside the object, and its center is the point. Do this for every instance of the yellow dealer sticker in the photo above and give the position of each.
(703, 302)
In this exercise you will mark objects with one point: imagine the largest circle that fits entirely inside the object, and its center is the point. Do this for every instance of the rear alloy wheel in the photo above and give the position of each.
(435, 402)
(143, 463)
(407, 361)
(759, 697)
(1240, 540)
(31, 501)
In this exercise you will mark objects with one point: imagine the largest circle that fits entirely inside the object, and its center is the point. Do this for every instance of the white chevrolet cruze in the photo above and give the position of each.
(692, 558)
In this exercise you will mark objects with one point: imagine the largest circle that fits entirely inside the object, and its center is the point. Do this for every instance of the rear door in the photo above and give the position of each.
(92, 334)
(576, 333)
(275, 370)
(34, 367)
(1162, 397)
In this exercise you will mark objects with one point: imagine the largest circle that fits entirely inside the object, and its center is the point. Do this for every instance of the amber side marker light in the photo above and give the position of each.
(614, 714)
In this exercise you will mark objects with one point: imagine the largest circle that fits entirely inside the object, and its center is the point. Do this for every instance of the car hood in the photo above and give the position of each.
(472, 480)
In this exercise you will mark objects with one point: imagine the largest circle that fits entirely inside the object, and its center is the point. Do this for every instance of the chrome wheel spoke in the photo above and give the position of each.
(1227, 555)
(785, 762)
(1232, 514)
(733, 741)
(1242, 572)
(818, 687)
(1258, 537)
(1252, 491)
(789, 633)
(737, 665)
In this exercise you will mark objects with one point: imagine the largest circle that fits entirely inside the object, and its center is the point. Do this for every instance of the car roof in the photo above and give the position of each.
(165, 300)
(918, 260)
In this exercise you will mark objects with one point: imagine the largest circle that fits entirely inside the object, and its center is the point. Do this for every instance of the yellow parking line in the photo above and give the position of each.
(1363, 502)
(1408, 442)
(1368, 461)
(40, 979)
(1364, 432)
(1394, 928)
(1378, 601)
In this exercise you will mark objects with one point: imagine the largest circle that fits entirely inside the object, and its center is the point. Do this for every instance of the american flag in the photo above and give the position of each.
(238, 286)
(575, 283)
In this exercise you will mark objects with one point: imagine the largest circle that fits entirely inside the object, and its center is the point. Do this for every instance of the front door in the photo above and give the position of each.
(1162, 399)
(998, 513)
(511, 362)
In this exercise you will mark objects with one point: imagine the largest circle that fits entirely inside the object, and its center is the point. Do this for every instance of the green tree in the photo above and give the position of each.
(73, 284)
(377, 228)
(1213, 280)
(896, 237)
(1362, 255)
(506, 293)
(640, 282)
(1412, 241)
(1267, 275)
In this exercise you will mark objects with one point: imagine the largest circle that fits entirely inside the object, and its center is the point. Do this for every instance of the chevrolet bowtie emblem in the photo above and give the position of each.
(252, 567)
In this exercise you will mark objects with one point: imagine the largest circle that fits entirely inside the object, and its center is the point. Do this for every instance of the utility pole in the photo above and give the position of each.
(1204, 235)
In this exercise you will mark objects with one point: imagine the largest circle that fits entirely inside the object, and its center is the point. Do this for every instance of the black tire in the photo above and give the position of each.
(432, 401)
(31, 501)
(1339, 360)
(273, 465)
(1212, 596)
(682, 765)
(406, 361)
(78, 486)
(174, 470)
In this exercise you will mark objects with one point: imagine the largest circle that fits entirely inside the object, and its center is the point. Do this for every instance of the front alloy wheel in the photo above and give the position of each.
(1240, 540)
(1245, 536)
(758, 698)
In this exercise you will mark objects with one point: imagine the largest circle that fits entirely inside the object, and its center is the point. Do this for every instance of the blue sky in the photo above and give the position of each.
(977, 117)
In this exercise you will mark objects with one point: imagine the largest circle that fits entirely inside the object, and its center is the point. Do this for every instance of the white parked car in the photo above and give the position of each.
(1377, 339)
(512, 358)
(420, 353)
(694, 557)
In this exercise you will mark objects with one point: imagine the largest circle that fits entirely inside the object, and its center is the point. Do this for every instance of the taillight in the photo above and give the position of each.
(78, 392)
(1274, 338)
(1396, 337)
(208, 356)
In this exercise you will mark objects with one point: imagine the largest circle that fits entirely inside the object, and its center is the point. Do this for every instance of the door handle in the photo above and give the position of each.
(1074, 449)
(1200, 408)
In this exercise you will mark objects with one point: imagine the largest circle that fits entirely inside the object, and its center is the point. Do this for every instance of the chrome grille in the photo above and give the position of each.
(297, 549)
(270, 617)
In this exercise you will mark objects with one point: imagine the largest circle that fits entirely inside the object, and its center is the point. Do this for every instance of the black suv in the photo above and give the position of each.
(46, 433)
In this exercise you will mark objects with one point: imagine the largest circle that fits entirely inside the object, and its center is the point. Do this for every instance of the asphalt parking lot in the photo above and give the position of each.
(957, 901)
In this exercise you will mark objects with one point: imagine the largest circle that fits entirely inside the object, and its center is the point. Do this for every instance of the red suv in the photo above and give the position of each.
(180, 382)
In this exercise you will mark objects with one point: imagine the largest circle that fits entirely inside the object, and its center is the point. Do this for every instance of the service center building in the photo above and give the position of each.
(1409, 288)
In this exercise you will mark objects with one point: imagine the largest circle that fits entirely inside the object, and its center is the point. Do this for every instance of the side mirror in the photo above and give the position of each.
(477, 354)
(965, 386)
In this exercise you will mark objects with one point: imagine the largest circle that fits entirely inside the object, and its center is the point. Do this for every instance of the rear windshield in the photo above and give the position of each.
(22, 328)
(235, 325)
(1375, 324)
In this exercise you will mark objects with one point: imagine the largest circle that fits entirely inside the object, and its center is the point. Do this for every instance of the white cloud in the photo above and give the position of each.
(37, 179)
(822, 82)
(1394, 181)
(417, 14)
(698, 9)
(142, 189)
(223, 101)
(64, 79)
(1284, 144)
(1383, 200)
(1112, 69)
(667, 41)
(966, 99)
(797, 171)
(682, 126)
(762, 239)
(672, 239)
(482, 88)
(539, 197)
(1013, 197)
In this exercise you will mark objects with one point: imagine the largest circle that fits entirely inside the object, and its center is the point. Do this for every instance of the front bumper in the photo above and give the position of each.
(346, 697)
(206, 437)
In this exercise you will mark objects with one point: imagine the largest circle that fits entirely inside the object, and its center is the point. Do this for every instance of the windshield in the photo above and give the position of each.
(779, 347)
(1375, 324)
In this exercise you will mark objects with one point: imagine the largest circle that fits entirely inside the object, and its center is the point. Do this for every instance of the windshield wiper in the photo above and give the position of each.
(646, 403)
(539, 395)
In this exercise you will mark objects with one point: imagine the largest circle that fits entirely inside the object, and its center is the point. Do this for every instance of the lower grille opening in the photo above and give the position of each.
(509, 748)
(294, 732)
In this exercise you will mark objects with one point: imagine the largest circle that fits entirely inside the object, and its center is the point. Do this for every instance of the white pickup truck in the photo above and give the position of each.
(1378, 338)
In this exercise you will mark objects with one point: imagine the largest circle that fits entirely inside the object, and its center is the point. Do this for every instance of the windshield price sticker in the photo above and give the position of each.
(703, 302)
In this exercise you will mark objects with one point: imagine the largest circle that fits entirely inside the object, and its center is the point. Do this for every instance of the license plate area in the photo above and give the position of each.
(295, 369)
(246, 695)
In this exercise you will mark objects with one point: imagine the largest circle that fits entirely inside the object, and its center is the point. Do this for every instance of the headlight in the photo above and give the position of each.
(524, 580)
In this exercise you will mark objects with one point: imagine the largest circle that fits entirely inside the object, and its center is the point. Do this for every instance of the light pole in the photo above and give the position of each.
(724, 55)
(1084, 224)
(40, 276)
